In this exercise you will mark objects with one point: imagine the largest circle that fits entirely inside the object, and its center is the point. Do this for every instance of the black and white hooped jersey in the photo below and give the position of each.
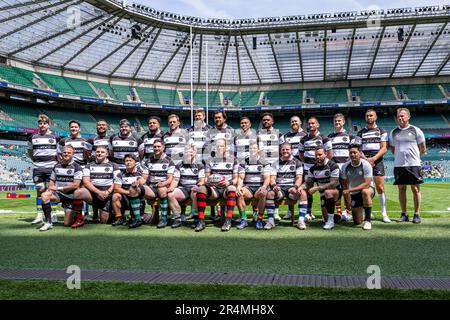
(188, 174)
(147, 142)
(215, 134)
(175, 142)
(99, 140)
(321, 175)
(44, 148)
(269, 144)
(80, 145)
(242, 142)
(340, 142)
(308, 145)
(198, 136)
(102, 175)
(288, 170)
(370, 140)
(65, 174)
(255, 171)
(122, 146)
(126, 179)
(225, 166)
(158, 169)
(294, 139)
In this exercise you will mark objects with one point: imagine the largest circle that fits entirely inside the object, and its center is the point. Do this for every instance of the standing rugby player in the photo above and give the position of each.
(154, 132)
(373, 141)
(42, 150)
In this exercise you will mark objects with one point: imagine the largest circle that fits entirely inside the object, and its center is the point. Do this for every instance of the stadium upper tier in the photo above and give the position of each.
(110, 39)
(179, 97)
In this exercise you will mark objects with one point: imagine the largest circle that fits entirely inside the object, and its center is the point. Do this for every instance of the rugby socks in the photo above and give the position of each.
(302, 209)
(77, 207)
(338, 207)
(243, 215)
(201, 205)
(329, 204)
(231, 203)
(53, 206)
(135, 204)
(85, 208)
(47, 208)
(39, 207)
(260, 215)
(291, 208)
(367, 213)
(213, 211)
(382, 200)
(270, 208)
(163, 208)
(310, 201)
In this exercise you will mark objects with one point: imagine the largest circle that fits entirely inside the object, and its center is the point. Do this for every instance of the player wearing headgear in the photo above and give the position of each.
(98, 186)
(293, 137)
(154, 132)
(129, 191)
(254, 180)
(340, 140)
(323, 177)
(160, 174)
(42, 150)
(358, 186)
(188, 177)
(286, 184)
(225, 165)
(64, 180)
(124, 143)
(373, 141)
(306, 149)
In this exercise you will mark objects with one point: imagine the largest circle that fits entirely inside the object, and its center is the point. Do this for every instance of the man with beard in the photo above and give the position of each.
(100, 139)
(124, 143)
(154, 132)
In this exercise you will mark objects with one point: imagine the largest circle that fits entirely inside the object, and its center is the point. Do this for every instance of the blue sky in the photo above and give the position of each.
(237, 9)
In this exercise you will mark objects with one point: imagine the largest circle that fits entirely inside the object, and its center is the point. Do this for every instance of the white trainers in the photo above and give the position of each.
(386, 219)
(301, 224)
(347, 217)
(367, 225)
(46, 226)
(54, 218)
(37, 220)
(269, 226)
(328, 225)
(276, 216)
(309, 217)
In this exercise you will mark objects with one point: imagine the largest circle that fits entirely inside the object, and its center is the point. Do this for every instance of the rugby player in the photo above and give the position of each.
(373, 141)
(293, 137)
(129, 191)
(154, 132)
(65, 178)
(188, 176)
(254, 180)
(42, 150)
(340, 141)
(225, 164)
(306, 152)
(323, 177)
(160, 174)
(286, 184)
(358, 186)
(98, 186)
(124, 143)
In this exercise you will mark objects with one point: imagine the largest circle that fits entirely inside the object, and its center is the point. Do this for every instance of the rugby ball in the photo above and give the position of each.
(216, 179)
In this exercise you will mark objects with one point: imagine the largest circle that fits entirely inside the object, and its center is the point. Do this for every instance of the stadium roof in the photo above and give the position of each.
(140, 43)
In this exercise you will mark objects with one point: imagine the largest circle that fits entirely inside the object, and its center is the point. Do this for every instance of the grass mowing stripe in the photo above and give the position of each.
(57, 290)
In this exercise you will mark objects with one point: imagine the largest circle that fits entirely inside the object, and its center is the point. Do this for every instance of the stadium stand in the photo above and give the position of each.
(106, 89)
(367, 94)
(328, 95)
(17, 75)
(420, 92)
(284, 97)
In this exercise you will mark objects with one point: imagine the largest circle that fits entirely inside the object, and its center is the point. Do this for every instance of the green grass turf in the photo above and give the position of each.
(399, 249)
(96, 290)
